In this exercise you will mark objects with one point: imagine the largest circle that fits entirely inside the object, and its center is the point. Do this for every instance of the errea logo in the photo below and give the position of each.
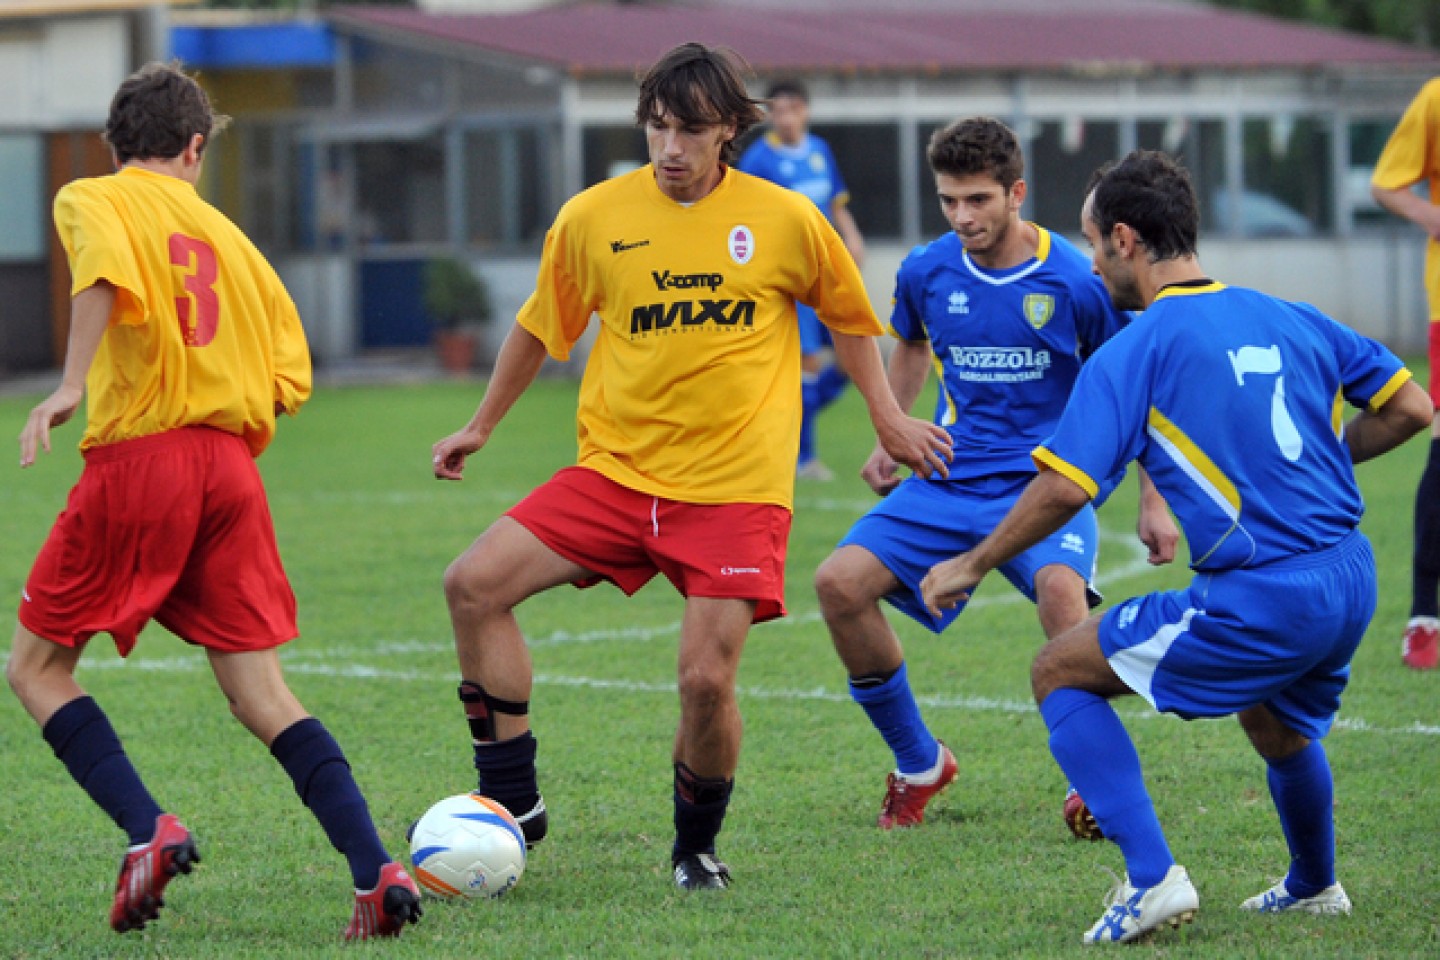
(742, 244)
(959, 302)
(1073, 542)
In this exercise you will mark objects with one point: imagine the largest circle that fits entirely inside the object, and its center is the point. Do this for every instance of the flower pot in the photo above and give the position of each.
(456, 350)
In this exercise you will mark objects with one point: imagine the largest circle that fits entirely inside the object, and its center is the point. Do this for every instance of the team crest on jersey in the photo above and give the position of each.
(1039, 308)
(742, 244)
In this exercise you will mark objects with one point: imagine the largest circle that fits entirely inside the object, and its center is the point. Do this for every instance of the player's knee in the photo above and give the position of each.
(1270, 737)
(704, 688)
(1045, 675)
(837, 592)
(469, 586)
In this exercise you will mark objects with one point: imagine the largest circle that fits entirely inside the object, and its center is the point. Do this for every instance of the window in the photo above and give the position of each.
(1200, 145)
(610, 151)
(1367, 140)
(1061, 156)
(505, 174)
(400, 191)
(22, 211)
(867, 154)
(1287, 177)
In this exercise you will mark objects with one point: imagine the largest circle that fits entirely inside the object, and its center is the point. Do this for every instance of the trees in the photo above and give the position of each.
(1410, 21)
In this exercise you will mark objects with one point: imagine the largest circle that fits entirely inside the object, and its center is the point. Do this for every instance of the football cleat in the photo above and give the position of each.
(146, 869)
(814, 470)
(1133, 912)
(535, 824)
(1421, 647)
(384, 911)
(1332, 900)
(904, 803)
(700, 871)
(1079, 818)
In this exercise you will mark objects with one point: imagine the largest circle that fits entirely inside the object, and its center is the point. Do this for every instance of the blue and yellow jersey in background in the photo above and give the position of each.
(1008, 344)
(1412, 156)
(202, 333)
(692, 389)
(1232, 401)
(807, 167)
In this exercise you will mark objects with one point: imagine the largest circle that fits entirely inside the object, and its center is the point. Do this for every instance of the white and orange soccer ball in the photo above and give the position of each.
(467, 847)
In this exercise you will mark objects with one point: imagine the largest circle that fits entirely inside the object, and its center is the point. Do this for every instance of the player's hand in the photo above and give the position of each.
(1158, 532)
(950, 583)
(881, 472)
(919, 444)
(448, 455)
(54, 410)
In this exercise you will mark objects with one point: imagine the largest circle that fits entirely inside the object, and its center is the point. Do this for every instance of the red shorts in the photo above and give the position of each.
(1435, 362)
(173, 527)
(731, 550)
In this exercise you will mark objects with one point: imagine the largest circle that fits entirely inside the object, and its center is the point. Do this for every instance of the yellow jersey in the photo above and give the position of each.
(692, 389)
(202, 332)
(1413, 154)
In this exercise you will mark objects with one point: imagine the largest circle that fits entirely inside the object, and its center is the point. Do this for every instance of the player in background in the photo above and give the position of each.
(1411, 156)
(1232, 401)
(189, 347)
(688, 426)
(1006, 312)
(790, 155)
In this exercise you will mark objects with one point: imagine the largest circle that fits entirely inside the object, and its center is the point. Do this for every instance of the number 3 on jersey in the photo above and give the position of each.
(1266, 360)
(197, 258)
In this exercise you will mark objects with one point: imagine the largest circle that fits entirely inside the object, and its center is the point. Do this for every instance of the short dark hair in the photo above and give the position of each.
(699, 85)
(156, 112)
(1150, 192)
(788, 87)
(977, 145)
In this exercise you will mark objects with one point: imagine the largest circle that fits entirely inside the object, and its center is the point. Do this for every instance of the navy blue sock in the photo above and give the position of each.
(700, 804)
(83, 740)
(810, 407)
(323, 781)
(1425, 567)
(830, 384)
(1304, 795)
(507, 772)
(1091, 746)
(891, 707)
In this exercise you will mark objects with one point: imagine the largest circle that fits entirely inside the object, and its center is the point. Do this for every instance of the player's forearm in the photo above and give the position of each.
(89, 319)
(1048, 503)
(908, 369)
(516, 366)
(1373, 432)
(860, 358)
(1403, 203)
(849, 232)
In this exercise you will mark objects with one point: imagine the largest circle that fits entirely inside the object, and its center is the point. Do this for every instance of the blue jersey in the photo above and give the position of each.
(808, 167)
(1008, 344)
(1232, 402)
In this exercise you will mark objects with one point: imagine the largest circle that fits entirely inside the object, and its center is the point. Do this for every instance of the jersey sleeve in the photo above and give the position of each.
(291, 352)
(1096, 319)
(1410, 154)
(907, 321)
(838, 294)
(557, 312)
(93, 234)
(1369, 373)
(1103, 426)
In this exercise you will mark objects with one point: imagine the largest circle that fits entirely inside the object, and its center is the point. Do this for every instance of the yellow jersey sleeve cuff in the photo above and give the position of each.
(1383, 395)
(1046, 460)
(557, 350)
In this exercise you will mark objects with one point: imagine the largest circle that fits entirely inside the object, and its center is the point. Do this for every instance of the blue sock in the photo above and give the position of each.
(322, 778)
(83, 740)
(829, 385)
(1091, 746)
(1304, 796)
(810, 407)
(892, 708)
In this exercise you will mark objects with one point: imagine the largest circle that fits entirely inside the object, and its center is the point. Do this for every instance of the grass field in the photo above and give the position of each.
(366, 534)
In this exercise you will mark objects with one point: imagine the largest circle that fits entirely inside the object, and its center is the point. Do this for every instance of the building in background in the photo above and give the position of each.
(378, 138)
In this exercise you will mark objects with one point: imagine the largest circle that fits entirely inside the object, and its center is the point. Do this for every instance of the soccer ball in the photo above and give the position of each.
(467, 847)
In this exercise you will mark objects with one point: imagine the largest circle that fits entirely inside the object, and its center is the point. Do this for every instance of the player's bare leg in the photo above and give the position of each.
(483, 586)
(707, 743)
(42, 674)
(849, 585)
(1061, 603)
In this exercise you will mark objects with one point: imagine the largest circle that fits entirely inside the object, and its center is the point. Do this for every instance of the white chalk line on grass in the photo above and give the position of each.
(323, 665)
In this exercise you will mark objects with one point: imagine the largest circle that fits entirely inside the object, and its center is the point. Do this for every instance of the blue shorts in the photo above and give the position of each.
(923, 522)
(1281, 634)
(814, 335)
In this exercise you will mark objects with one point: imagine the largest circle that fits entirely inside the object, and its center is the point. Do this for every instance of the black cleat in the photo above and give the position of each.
(534, 824)
(700, 871)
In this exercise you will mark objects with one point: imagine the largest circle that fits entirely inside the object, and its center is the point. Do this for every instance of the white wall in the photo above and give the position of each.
(62, 73)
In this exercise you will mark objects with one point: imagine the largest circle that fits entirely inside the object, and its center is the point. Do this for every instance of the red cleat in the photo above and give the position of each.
(904, 804)
(146, 869)
(1421, 647)
(1079, 818)
(384, 911)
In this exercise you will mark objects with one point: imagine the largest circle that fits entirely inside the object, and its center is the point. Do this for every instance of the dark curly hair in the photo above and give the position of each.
(1150, 192)
(156, 112)
(977, 145)
(700, 85)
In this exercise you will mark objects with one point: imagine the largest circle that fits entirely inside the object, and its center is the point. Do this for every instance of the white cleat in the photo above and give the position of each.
(1328, 902)
(1132, 912)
